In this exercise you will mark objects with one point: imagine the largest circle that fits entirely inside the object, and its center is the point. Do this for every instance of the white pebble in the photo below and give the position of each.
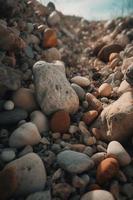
(9, 105)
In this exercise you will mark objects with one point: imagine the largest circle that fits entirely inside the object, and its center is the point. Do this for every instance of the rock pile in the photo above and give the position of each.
(66, 105)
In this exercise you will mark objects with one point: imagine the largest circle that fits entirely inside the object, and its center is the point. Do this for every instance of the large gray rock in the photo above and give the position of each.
(54, 92)
(115, 121)
(23, 176)
(74, 162)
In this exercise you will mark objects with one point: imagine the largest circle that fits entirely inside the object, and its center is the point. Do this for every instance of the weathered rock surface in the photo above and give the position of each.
(115, 121)
(97, 195)
(53, 89)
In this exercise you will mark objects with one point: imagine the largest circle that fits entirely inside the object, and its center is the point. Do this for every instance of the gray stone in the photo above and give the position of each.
(45, 195)
(54, 92)
(8, 155)
(79, 90)
(29, 172)
(26, 134)
(74, 162)
(98, 195)
(127, 189)
(54, 18)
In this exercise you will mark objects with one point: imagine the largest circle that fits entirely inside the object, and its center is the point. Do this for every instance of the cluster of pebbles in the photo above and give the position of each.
(66, 105)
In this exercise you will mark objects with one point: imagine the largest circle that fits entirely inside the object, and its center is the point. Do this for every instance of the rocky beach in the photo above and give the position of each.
(66, 105)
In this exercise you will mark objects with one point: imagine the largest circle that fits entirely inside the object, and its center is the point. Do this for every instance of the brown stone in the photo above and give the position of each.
(60, 122)
(113, 56)
(94, 103)
(24, 98)
(49, 38)
(107, 50)
(89, 116)
(106, 170)
(94, 187)
(78, 147)
(105, 90)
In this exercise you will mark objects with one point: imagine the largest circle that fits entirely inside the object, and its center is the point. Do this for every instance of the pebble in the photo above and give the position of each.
(124, 87)
(18, 177)
(49, 38)
(73, 129)
(105, 90)
(113, 56)
(59, 95)
(74, 162)
(12, 116)
(62, 190)
(107, 169)
(98, 157)
(60, 122)
(24, 98)
(98, 195)
(45, 195)
(8, 105)
(8, 155)
(88, 151)
(94, 103)
(116, 149)
(127, 189)
(40, 120)
(78, 147)
(89, 116)
(81, 81)
(54, 18)
(26, 134)
(51, 55)
(79, 91)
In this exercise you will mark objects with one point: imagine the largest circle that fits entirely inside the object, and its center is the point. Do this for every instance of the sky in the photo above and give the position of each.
(89, 9)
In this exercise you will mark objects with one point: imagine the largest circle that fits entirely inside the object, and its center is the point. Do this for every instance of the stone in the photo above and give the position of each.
(60, 122)
(25, 98)
(129, 74)
(18, 177)
(74, 162)
(127, 189)
(98, 157)
(89, 116)
(26, 134)
(49, 38)
(106, 170)
(94, 103)
(124, 87)
(113, 56)
(8, 155)
(77, 147)
(105, 90)
(126, 63)
(114, 63)
(79, 91)
(62, 190)
(53, 89)
(10, 78)
(54, 18)
(45, 195)
(51, 55)
(115, 121)
(81, 81)
(40, 120)
(117, 150)
(98, 195)
(107, 50)
(12, 116)
(8, 105)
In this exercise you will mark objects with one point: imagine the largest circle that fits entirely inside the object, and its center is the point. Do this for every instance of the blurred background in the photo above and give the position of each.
(94, 9)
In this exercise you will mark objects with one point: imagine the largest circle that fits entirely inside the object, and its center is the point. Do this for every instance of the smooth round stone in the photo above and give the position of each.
(54, 18)
(12, 116)
(89, 116)
(105, 90)
(25, 98)
(49, 38)
(116, 149)
(127, 189)
(79, 90)
(26, 134)
(124, 87)
(98, 195)
(81, 81)
(51, 55)
(8, 155)
(107, 169)
(40, 120)
(23, 176)
(45, 195)
(9, 105)
(60, 122)
(98, 157)
(74, 162)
